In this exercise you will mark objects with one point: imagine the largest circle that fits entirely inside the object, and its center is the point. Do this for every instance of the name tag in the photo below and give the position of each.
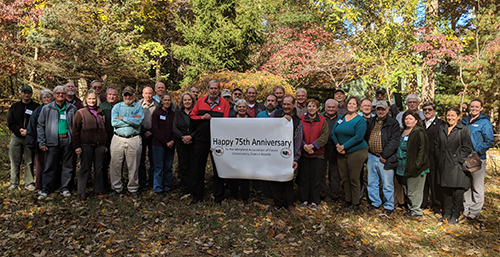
(405, 138)
(475, 125)
(28, 111)
(163, 117)
(380, 133)
(340, 121)
(62, 116)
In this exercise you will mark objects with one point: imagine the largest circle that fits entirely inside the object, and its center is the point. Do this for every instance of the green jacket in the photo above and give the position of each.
(417, 157)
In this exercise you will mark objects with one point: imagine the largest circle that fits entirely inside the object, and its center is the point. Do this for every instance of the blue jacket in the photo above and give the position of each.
(481, 133)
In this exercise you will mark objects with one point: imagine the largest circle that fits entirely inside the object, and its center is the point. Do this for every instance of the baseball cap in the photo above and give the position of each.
(339, 90)
(381, 91)
(27, 88)
(225, 92)
(381, 104)
(129, 90)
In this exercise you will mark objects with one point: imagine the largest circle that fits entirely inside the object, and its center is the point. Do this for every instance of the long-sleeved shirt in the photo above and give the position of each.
(350, 134)
(19, 116)
(132, 118)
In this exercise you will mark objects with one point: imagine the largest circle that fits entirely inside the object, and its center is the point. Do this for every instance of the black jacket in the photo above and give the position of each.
(19, 116)
(180, 127)
(390, 135)
(432, 132)
(450, 155)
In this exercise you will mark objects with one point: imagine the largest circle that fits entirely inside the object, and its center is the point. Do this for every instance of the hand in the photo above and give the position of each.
(120, 118)
(288, 117)
(295, 165)
(186, 139)
(382, 160)
(106, 150)
(147, 134)
(170, 144)
(311, 151)
(23, 132)
(309, 148)
(342, 152)
(206, 116)
(44, 148)
(78, 150)
(340, 148)
(137, 116)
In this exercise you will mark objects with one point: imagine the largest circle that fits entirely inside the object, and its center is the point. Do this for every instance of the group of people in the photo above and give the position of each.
(400, 149)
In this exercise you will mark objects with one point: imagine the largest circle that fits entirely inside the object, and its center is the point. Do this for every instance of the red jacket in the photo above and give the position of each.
(202, 106)
(312, 132)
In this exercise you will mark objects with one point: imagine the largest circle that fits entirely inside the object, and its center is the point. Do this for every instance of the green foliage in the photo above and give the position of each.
(220, 37)
(92, 40)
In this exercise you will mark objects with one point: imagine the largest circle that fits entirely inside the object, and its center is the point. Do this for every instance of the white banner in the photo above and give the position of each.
(253, 148)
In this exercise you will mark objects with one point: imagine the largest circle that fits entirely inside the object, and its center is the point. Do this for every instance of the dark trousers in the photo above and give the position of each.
(453, 199)
(350, 165)
(40, 167)
(201, 151)
(309, 179)
(91, 155)
(106, 185)
(282, 193)
(185, 158)
(146, 176)
(433, 192)
(241, 185)
(330, 167)
(58, 156)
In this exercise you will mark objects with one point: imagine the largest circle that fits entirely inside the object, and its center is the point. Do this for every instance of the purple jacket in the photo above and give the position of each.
(162, 123)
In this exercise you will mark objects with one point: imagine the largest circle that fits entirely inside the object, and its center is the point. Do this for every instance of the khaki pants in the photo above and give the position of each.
(131, 149)
(17, 149)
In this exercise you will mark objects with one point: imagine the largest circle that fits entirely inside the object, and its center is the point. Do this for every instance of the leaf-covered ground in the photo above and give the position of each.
(153, 225)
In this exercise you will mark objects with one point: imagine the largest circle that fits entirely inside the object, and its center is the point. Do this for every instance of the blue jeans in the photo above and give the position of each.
(376, 173)
(163, 159)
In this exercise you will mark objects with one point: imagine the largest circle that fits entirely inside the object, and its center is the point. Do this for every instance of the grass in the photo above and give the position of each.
(167, 226)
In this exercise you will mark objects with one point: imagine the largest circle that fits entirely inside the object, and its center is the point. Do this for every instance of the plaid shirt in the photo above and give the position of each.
(375, 142)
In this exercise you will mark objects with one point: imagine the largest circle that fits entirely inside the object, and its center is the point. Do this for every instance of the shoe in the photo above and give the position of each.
(66, 193)
(12, 187)
(372, 208)
(291, 208)
(83, 197)
(275, 208)
(42, 196)
(114, 193)
(195, 201)
(303, 205)
(453, 221)
(346, 205)
(353, 208)
(314, 207)
(444, 218)
(218, 201)
(134, 194)
(30, 188)
(472, 216)
(388, 212)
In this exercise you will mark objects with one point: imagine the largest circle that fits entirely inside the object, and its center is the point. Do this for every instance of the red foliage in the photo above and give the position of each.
(436, 46)
(292, 51)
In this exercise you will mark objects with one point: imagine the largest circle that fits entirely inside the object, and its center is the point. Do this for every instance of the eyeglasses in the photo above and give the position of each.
(428, 109)
(236, 93)
(59, 93)
(412, 102)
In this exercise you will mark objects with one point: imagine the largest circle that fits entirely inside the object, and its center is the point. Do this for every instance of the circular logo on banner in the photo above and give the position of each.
(286, 153)
(219, 151)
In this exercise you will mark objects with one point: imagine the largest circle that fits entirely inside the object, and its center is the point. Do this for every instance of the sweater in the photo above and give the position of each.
(86, 130)
(162, 127)
(350, 134)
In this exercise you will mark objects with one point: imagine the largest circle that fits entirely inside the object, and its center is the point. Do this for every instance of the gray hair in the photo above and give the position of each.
(241, 101)
(193, 87)
(213, 81)
(111, 87)
(412, 96)
(333, 101)
(301, 89)
(60, 88)
(95, 81)
(46, 91)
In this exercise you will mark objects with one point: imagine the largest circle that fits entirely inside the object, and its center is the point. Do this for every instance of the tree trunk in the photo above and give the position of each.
(428, 85)
(158, 71)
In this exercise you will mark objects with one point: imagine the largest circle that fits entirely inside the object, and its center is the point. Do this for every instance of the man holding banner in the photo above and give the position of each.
(205, 108)
(283, 191)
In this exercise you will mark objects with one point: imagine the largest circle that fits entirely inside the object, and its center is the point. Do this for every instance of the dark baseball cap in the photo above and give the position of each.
(27, 88)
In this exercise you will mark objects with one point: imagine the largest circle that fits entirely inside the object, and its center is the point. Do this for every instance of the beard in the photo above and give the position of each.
(128, 101)
(70, 92)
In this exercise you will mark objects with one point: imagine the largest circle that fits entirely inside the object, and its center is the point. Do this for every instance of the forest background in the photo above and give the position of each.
(446, 51)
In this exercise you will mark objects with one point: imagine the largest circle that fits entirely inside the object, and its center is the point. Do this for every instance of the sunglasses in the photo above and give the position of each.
(428, 109)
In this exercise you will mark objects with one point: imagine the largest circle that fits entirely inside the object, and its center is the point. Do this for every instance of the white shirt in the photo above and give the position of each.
(429, 122)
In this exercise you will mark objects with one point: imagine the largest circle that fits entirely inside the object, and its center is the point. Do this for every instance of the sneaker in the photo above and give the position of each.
(66, 193)
(134, 194)
(12, 187)
(83, 197)
(30, 188)
(353, 208)
(346, 205)
(314, 207)
(42, 196)
(114, 193)
(444, 218)
(388, 212)
(452, 221)
(303, 205)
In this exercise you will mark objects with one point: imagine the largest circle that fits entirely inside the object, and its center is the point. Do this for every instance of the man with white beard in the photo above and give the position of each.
(70, 95)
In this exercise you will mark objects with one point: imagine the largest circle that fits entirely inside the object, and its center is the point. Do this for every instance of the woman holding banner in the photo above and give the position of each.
(310, 164)
(243, 185)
